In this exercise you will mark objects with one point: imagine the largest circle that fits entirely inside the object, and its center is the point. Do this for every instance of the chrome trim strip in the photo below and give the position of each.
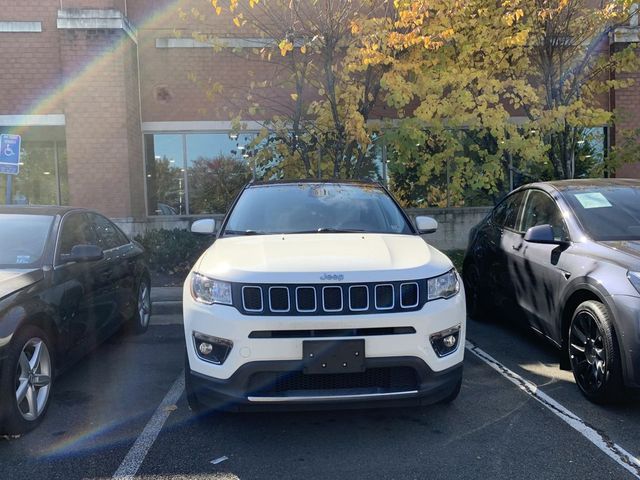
(417, 295)
(341, 299)
(329, 398)
(393, 296)
(288, 300)
(261, 301)
(315, 300)
(358, 309)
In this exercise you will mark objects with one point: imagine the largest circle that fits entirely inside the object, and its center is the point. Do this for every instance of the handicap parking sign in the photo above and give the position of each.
(9, 154)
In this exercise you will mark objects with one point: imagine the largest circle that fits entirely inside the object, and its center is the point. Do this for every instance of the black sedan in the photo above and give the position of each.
(565, 257)
(69, 278)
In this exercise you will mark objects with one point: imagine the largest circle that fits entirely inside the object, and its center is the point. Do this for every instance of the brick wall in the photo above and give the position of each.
(30, 61)
(627, 108)
(101, 125)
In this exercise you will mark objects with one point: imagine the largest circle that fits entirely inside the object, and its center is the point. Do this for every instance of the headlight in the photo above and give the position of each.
(634, 278)
(207, 290)
(444, 286)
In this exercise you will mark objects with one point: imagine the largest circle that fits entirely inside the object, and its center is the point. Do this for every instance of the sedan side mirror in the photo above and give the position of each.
(541, 234)
(83, 253)
(426, 224)
(205, 226)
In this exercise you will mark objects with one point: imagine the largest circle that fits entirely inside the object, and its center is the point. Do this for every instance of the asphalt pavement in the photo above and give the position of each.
(108, 411)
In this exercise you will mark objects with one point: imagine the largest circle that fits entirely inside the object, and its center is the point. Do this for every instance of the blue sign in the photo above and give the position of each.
(10, 154)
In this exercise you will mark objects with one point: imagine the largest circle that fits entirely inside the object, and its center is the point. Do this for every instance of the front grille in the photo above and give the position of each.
(372, 380)
(336, 299)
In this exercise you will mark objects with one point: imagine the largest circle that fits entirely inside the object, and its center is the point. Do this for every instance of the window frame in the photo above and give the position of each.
(56, 257)
(518, 214)
(529, 192)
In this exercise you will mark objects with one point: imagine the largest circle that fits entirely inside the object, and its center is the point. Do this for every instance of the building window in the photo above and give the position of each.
(43, 175)
(195, 173)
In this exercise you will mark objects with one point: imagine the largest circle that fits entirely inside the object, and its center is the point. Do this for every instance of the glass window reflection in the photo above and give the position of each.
(166, 183)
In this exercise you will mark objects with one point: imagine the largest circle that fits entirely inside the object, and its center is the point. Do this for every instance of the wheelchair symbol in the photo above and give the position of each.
(8, 151)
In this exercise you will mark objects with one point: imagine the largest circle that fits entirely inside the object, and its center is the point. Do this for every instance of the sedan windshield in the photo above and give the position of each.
(607, 213)
(22, 239)
(315, 208)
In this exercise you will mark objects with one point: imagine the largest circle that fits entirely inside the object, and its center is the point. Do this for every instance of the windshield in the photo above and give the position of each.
(315, 207)
(607, 213)
(22, 239)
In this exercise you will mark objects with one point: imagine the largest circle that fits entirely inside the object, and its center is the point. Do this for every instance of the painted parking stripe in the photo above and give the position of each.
(132, 462)
(598, 438)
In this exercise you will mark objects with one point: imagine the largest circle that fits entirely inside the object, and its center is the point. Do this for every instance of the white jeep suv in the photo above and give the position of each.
(321, 293)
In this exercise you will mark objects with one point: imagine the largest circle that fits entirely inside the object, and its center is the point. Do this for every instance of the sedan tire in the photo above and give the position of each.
(26, 381)
(593, 353)
(142, 314)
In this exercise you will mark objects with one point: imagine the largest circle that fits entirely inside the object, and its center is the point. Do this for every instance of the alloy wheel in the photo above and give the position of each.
(144, 304)
(587, 352)
(33, 379)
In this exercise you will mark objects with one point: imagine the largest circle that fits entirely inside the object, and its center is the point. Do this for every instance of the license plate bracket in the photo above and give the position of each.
(333, 356)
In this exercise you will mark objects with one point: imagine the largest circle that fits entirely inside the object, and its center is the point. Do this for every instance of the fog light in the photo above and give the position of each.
(212, 349)
(449, 341)
(445, 342)
(205, 348)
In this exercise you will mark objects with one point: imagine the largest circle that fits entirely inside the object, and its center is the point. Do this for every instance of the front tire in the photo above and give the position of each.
(26, 381)
(593, 353)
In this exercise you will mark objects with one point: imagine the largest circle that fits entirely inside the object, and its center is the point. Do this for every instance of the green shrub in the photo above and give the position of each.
(173, 252)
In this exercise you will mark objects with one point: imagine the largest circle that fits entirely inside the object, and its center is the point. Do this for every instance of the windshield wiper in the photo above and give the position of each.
(242, 232)
(330, 230)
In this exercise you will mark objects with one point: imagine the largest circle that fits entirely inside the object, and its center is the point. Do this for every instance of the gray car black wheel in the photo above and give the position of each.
(593, 352)
(26, 381)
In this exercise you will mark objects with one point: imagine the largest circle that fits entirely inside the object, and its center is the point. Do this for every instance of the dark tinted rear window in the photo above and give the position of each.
(607, 213)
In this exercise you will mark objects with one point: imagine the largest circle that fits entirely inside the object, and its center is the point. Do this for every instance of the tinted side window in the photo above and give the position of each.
(500, 213)
(511, 210)
(76, 230)
(542, 210)
(109, 236)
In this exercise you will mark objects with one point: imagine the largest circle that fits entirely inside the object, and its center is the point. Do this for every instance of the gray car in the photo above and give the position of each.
(565, 257)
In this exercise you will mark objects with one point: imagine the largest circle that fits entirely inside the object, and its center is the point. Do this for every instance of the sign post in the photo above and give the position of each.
(9, 160)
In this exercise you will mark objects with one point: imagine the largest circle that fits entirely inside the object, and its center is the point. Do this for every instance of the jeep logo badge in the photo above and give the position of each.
(332, 277)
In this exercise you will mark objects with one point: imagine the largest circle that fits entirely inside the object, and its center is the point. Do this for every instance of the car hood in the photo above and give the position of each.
(12, 280)
(628, 247)
(314, 258)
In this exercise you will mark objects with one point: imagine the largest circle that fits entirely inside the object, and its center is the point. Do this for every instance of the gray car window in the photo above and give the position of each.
(541, 209)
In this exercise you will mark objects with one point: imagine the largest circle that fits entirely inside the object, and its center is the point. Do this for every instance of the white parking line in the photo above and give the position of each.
(132, 462)
(598, 438)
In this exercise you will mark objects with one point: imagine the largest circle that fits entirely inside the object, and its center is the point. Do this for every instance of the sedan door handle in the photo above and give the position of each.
(516, 247)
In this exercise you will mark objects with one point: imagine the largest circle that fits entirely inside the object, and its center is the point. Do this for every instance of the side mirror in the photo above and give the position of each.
(426, 224)
(206, 226)
(541, 234)
(83, 253)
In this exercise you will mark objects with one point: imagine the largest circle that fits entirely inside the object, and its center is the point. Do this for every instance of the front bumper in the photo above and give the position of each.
(232, 382)
(234, 394)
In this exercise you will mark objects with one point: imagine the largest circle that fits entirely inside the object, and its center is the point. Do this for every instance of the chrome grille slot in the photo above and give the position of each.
(384, 296)
(252, 299)
(306, 299)
(358, 298)
(332, 299)
(279, 299)
(409, 295)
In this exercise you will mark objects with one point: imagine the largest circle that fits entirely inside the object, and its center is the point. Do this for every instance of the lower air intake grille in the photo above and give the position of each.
(378, 380)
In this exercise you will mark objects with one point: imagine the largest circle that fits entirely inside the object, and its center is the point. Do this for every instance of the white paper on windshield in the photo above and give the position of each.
(592, 200)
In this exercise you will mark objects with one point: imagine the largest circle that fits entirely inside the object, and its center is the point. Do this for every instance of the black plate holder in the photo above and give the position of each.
(333, 356)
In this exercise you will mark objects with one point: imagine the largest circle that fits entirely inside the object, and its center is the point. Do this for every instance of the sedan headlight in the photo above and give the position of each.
(634, 278)
(444, 286)
(207, 290)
